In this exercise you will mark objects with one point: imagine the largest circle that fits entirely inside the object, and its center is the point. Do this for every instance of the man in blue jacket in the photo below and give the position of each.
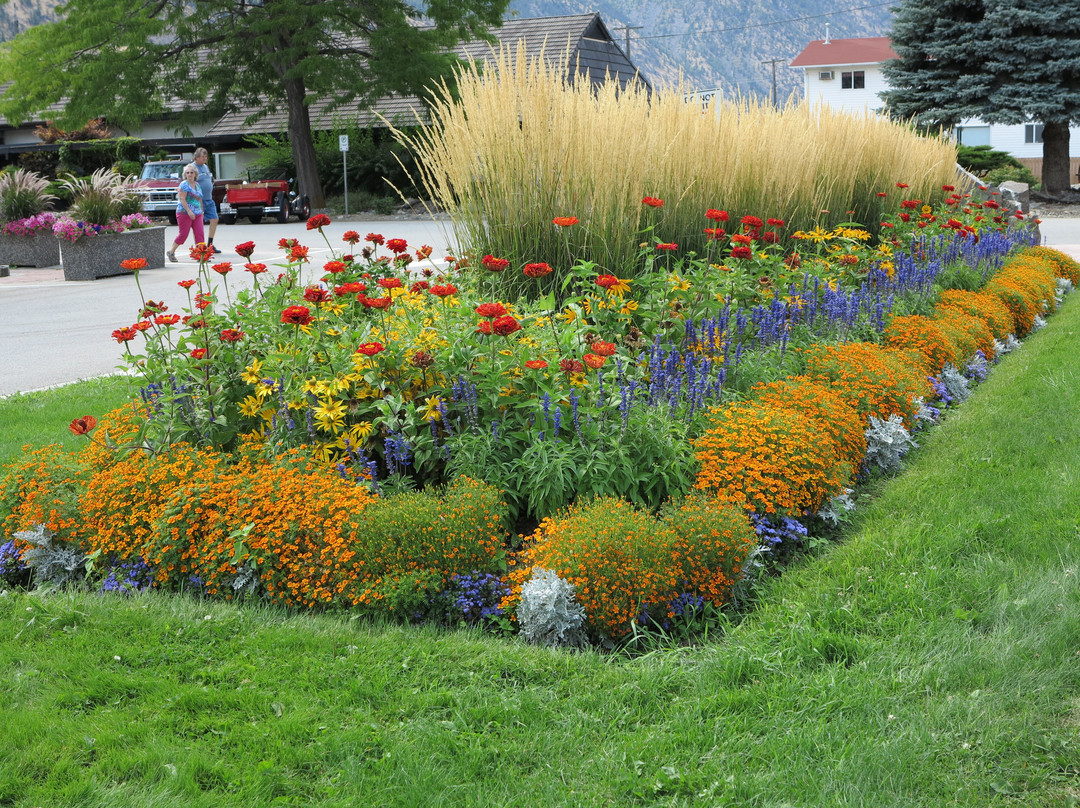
(206, 185)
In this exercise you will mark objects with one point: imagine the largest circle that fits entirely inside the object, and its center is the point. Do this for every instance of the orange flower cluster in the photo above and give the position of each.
(769, 459)
(834, 417)
(42, 487)
(966, 333)
(712, 542)
(1064, 265)
(987, 308)
(924, 335)
(871, 379)
(1026, 285)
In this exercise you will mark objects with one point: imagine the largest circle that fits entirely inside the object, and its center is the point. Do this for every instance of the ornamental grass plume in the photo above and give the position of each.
(768, 459)
(873, 380)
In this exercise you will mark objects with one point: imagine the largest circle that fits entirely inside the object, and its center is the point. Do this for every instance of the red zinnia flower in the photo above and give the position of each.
(202, 252)
(124, 334)
(350, 288)
(905, 217)
(537, 270)
(742, 252)
(224, 268)
(316, 294)
(607, 281)
(652, 202)
(571, 366)
(741, 238)
(424, 252)
(751, 221)
(422, 359)
(143, 325)
(298, 253)
(154, 307)
(185, 284)
(370, 348)
(484, 328)
(198, 353)
(715, 233)
(716, 215)
(770, 237)
(443, 290)
(334, 266)
(255, 269)
(350, 237)
(134, 264)
(374, 238)
(505, 326)
(850, 260)
(317, 221)
(287, 243)
(296, 315)
(194, 324)
(245, 250)
(882, 193)
(669, 246)
(377, 302)
(601, 348)
(167, 319)
(536, 364)
(493, 264)
(948, 188)
(594, 361)
(419, 286)
(491, 310)
(910, 204)
(901, 185)
(231, 335)
(397, 245)
(389, 283)
(82, 426)
(775, 222)
(565, 221)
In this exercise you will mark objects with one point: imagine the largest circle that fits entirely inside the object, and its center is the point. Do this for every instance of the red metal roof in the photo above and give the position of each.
(864, 51)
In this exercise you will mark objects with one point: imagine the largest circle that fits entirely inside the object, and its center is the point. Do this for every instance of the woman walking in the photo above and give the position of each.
(189, 210)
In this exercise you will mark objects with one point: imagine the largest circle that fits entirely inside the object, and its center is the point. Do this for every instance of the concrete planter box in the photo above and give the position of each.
(38, 250)
(99, 256)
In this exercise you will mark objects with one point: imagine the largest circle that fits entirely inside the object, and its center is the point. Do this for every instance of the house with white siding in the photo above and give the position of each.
(846, 74)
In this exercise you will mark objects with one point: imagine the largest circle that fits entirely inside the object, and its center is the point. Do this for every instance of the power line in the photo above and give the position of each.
(767, 24)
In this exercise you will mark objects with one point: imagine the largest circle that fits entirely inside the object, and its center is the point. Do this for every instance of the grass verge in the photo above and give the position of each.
(931, 659)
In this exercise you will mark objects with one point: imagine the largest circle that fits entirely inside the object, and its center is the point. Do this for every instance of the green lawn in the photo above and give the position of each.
(931, 659)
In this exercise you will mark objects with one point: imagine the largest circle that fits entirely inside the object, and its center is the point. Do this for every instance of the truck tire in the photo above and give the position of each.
(228, 218)
(172, 219)
(303, 209)
(255, 218)
(283, 207)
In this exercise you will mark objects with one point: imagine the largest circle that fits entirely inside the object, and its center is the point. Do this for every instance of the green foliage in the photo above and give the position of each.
(103, 197)
(980, 159)
(23, 194)
(1012, 174)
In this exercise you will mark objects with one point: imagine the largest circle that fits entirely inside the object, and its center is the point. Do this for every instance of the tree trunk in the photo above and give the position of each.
(1055, 167)
(303, 147)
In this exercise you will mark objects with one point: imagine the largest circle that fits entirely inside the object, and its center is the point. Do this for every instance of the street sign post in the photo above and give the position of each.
(343, 144)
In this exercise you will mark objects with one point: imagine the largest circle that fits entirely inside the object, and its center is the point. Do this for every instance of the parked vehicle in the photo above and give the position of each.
(260, 198)
(157, 187)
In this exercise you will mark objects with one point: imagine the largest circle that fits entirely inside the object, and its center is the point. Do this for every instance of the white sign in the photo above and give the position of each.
(343, 143)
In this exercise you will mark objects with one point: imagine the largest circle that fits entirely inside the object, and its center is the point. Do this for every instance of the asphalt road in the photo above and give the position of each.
(55, 332)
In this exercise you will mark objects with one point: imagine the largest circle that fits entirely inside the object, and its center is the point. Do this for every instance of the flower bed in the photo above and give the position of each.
(372, 434)
(29, 242)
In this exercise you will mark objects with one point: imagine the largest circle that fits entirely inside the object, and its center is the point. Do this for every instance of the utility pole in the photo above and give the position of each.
(773, 62)
(628, 29)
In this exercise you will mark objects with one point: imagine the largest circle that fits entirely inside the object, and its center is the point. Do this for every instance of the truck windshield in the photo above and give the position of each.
(163, 172)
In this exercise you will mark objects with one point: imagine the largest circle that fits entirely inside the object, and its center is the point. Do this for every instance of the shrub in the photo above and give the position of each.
(967, 334)
(42, 487)
(1064, 266)
(980, 159)
(769, 459)
(619, 559)
(548, 613)
(103, 197)
(1022, 174)
(872, 380)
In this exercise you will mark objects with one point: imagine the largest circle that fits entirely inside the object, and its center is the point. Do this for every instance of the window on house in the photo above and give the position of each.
(1033, 133)
(853, 80)
(973, 135)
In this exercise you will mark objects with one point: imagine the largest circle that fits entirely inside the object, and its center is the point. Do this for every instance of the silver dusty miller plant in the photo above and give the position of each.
(887, 442)
(53, 563)
(956, 383)
(548, 613)
(1008, 345)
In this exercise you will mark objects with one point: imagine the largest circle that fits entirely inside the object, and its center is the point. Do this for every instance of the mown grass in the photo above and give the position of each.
(930, 659)
(42, 418)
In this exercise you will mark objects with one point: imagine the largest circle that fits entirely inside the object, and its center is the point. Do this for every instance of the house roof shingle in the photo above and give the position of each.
(836, 52)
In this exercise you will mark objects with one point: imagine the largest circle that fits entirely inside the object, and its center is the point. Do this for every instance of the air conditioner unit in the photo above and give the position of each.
(825, 75)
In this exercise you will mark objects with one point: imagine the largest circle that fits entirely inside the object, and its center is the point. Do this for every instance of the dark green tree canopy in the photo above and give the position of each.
(1002, 61)
(129, 60)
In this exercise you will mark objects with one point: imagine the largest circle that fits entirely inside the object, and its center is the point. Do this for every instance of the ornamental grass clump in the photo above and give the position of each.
(769, 459)
(23, 195)
(873, 380)
(103, 198)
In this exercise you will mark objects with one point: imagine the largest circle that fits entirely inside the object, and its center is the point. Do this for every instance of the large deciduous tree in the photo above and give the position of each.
(129, 60)
(1002, 61)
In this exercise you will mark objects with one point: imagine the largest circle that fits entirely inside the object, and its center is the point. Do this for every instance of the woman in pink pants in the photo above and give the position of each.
(189, 209)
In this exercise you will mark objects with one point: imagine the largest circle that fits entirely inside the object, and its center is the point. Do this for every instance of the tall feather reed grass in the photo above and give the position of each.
(518, 143)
